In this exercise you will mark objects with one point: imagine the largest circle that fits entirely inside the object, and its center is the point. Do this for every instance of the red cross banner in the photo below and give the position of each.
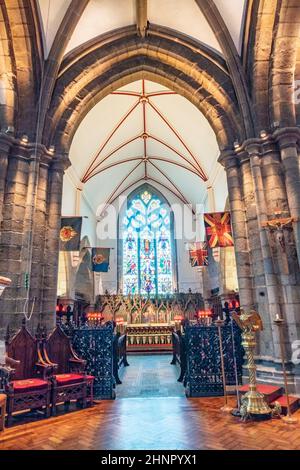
(199, 255)
(218, 229)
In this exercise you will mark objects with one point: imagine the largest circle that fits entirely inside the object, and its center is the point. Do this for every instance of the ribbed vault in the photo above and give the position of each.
(102, 66)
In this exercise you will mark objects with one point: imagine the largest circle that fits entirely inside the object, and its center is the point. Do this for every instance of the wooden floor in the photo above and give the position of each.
(163, 423)
(152, 423)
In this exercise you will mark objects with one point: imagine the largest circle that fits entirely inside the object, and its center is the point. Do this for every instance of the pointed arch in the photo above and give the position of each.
(117, 58)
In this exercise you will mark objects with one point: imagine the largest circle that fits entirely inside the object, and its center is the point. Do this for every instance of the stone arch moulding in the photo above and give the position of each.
(113, 60)
(7, 74)
(286, 42)
(21, 48)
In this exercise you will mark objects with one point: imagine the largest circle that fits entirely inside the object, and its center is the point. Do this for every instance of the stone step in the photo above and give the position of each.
(271, 392)
(294, 403)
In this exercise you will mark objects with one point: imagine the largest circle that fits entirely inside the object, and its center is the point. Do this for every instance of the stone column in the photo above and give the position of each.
(273, 300)
(35, 231)
(288, 140)
(32, 254)
(11, 241)
(55, 186)
(262, 216)
(6, 142)
(237, 209)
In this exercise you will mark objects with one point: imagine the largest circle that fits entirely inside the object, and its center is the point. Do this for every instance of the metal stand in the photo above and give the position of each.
(289, 419)
(235, 366)
(253, 403)
(226, 408)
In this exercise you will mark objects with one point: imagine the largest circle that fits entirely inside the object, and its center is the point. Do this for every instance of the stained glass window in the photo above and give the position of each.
(147, 246)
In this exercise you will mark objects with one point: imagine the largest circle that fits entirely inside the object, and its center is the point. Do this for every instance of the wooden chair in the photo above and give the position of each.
(29, 386)
(2, 410)
(70, 381)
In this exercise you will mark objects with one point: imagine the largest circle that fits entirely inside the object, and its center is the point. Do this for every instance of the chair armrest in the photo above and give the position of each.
(6, 375)
(77, 364)
(11, 362)
(45, 370)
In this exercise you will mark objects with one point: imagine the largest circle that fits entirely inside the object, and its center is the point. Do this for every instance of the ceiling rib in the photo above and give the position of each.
(157, 139)
(123, 181)
(119, 147)
(169, 180)
(192, 165)
(141, 158)
(155, 108)
(150, 178)
(132, 108)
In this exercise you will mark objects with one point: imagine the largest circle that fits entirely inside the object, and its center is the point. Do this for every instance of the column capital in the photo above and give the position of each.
(6, 141)
(253, 146)
(60, 163)
(287, 137)
(40, 153)
(228, 159)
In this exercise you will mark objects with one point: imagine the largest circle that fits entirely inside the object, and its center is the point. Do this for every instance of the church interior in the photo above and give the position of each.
(149, 225)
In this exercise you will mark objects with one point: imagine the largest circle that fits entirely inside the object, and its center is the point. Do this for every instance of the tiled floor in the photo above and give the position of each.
(150, 376)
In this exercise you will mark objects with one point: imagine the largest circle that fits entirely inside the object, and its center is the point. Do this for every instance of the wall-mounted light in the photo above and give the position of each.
(24, 139)
(52, 149)
(236, 145)
(263, 134)
(275, 124)
(10, 130)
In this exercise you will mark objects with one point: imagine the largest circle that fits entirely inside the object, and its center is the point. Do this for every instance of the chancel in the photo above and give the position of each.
(149, 225)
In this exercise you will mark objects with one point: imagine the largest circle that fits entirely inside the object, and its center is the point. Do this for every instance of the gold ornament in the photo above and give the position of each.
(253, 403)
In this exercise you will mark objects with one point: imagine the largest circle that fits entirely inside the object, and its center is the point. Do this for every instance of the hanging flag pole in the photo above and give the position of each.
(235, 366)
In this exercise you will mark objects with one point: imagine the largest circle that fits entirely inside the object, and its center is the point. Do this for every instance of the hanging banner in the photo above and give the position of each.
(218, 229)
(100, 260)
(70, 233)
(199, 255)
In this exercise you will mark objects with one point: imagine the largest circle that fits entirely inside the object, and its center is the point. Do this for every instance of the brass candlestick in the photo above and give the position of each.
(253, 403)
(226, 407)
(289, 419)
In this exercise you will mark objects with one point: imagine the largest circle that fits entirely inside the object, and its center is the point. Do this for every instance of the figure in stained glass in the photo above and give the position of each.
(147, 246)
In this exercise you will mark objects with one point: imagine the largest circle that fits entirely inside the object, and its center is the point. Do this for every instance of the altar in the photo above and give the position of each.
(149, 321)
(149, 337)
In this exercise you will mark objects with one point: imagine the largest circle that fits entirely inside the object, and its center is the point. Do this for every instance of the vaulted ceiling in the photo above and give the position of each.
(101, 16)
(140, 132)
(143, 131)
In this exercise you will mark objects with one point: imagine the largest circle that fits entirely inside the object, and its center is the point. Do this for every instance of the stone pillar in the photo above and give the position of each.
(34, 231)
(6, 142)
(239, 228)
(288, 140)
(56, 173)
(12, 302)
(273, 289)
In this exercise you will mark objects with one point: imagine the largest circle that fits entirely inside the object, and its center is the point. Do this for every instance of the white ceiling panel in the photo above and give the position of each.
(52, 13)
(232, 12)
(101, 16)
